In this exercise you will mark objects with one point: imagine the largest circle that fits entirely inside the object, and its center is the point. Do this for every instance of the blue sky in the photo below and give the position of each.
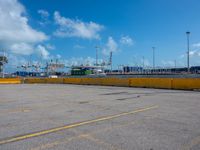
(70, 30)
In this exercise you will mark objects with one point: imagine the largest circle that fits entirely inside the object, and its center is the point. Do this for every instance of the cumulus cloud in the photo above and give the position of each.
(111, 46)
(14, 25)
(76, 28)
(22, 48)
(42, 51)
(15, 32)
(126, 40)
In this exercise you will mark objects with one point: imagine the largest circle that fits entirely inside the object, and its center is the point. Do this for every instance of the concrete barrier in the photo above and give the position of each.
(72, 80)
(186, 84)
(35, 80)
(54, 80)
(163, 83)
(10, 80)
(166, 83)
(115, 82)
(91, 81)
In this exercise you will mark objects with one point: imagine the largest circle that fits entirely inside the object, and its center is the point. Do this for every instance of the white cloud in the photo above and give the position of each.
(43, 13)
(50, 47)
(15, 32)
(16, 61)
(126, 40)
(22, 48)
(76, 28)
(111, 46)
(42, 51)
(196, 45)
(14, 25)
(44, 17)
(194, 53)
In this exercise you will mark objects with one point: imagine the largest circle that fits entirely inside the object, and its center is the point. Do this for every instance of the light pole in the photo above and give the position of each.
(111, 63)
(143, 62)
(153, 57)
(97, 47)
(188, 52)
(175, 63)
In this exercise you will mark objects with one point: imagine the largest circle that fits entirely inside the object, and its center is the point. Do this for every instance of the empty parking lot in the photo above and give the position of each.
(48, 116)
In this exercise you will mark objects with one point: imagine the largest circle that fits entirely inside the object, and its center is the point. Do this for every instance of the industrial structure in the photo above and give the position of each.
(54, 67)
(3, 61)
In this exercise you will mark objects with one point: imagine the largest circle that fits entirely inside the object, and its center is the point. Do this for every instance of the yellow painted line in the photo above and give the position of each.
(40, 133)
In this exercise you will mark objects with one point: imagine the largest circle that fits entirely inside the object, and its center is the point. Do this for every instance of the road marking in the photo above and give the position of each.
(69, 139)
(40, 133)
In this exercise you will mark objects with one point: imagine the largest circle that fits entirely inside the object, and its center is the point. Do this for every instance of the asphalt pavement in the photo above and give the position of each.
(78, 117)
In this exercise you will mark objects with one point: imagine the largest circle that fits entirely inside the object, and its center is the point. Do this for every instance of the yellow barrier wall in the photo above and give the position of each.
(115, 81)
(72, 80)
(91, 81)
(35, 80)
(54, 81)
(44, 80)
(165, 83)
(10, 80)
(186, 84)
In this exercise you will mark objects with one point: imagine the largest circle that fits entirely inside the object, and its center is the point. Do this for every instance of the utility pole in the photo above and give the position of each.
(111, 61)
(97, 47)
(143, 62)
(175, 64)
(188, 51)
(153, 57)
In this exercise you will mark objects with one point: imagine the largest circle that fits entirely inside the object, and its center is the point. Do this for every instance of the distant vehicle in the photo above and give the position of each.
(98, 71)
(102, 74)
(42, 74)
(53, 76)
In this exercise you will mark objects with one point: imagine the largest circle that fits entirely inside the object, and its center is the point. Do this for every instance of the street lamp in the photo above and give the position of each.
(188, 52)
(97, 47)
(153, 57)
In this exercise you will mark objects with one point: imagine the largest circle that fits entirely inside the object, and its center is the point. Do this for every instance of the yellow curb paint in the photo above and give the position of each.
(40, 133)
